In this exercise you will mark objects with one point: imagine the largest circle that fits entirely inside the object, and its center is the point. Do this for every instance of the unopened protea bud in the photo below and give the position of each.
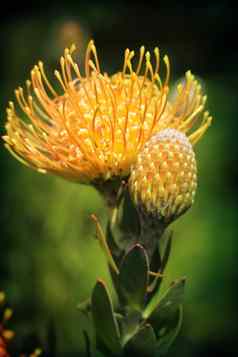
(163, 180)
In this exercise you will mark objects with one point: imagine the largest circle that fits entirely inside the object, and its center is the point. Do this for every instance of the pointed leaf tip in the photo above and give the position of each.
(143, 343)
(133, 276)
(106, 326)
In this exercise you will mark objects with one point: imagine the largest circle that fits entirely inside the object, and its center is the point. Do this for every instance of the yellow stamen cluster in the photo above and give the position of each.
(163, 180)
(5, 334)
(93, 128)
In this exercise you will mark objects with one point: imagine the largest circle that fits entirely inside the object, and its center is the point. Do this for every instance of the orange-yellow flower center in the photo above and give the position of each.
(109, 120)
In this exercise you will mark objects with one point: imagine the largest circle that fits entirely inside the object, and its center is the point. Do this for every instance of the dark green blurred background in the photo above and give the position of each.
(49, 259)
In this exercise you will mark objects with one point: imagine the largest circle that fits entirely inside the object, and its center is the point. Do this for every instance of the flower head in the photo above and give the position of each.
(94, 128)
(163, 180)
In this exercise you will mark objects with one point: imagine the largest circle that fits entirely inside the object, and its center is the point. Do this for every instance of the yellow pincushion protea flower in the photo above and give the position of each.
(94, 128)
(163, 180)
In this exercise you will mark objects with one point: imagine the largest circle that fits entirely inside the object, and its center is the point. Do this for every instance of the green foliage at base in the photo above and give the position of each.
(143, 321)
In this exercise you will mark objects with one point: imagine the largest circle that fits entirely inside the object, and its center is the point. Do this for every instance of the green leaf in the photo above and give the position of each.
(129, 325)
(88, 352)
(165, 341)
(143, 343)
(133, 277)
(128, 218)
(172, 298)
(107, 329)
(156, 261)
(125, 223)
(111, 240)
(160, 260)
(166, 251)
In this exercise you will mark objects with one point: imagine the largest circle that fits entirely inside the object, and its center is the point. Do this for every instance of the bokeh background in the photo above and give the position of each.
(49, 259)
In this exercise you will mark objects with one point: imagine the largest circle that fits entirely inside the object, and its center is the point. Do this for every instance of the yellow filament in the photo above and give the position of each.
(126, 55)
(94, 51)
(167, 63)
(142, 52)
(41, 66)
(157, 58)
(196, 136)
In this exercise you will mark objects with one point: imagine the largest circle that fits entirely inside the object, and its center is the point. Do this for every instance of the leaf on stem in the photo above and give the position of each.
(166, 251)
(160, 260)
(172, 298)
(143, 343)
(165, 341)
(133, 277)
(107, 329)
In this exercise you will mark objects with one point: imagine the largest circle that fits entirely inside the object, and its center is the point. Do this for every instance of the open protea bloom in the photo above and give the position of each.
(95, 126)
